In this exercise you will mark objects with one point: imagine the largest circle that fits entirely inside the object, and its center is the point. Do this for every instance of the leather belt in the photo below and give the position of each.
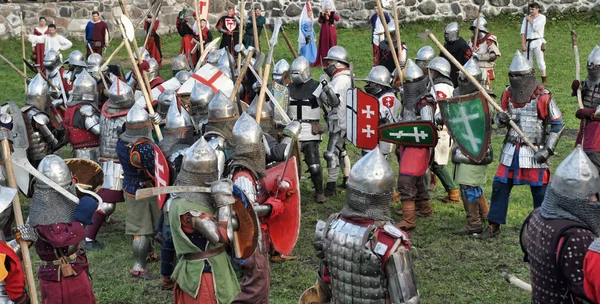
(204, 254)
(70, 259)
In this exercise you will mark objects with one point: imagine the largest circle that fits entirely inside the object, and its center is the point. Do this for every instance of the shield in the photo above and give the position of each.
(469, 123)
(20, 142)
(161, 173)
(282, 97)
(313, 295)
(171, 84)
(416, 133)
(245, 239)
(230, 23)
(210, 76)
(285, 227)
(88, 174)
(362, 119)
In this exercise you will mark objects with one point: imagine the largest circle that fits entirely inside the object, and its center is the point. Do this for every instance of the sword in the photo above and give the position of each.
(24, 164)
(286, 118)
(516, 281)
(156, 191)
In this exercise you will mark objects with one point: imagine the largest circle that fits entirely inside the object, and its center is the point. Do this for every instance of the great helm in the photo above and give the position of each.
(280, 70)
(451, 32)
(440, 65)
(300, 70)
(246, 131)
(76, 59)
(85, 89)
(37, 93)
(54, 167)
(221, 108)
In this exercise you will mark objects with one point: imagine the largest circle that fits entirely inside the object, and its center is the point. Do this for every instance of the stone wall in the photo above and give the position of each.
(71, 17)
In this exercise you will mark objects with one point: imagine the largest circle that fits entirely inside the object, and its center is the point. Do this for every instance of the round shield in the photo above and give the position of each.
(86, 173)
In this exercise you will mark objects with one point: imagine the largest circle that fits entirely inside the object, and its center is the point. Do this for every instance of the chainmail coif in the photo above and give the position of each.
(581, 210)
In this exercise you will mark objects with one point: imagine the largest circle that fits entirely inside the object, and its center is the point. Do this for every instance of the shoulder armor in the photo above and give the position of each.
(395, 232)
(87, 110)
(41, 118)
(544, 91)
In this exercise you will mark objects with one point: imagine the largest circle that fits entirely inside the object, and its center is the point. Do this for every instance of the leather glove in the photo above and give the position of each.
(155, 118)
(25, 233)
(85, 210)
(574, 87)
(503, 118)
(542, 156)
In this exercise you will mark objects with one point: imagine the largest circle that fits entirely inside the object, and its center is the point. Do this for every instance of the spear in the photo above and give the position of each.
(476, 34)
(241, 36)
(23, 49)
(198, 27)
(577, 68)
(265, 78)
(388, 37)
(397, 25)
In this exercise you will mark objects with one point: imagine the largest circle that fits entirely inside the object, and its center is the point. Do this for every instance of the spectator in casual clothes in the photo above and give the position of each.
(96, 34)
(51, 41)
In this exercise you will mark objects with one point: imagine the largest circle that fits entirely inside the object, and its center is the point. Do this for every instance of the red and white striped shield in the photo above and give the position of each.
(362, 119)
(171, 84)
(161, 174)
(211, 76)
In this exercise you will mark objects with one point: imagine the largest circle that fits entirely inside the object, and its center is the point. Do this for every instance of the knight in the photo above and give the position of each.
(439, 73)
(130, 77)
(204, 272)
(485, 48)
(590, 114)
(162, 105)
(82, 118)
(200, 97)
(305, 108)
(533, 109)
(424, 55)
(104, 78)
(469, 175)
(76, 65)
(43, 137)
(135, 149)
(53, 68)
(151, 68)
(64, 270)
(556, 237)
(361, 243)
(180, 63)
(334, 94)
(457, 47)
(281, 79)
(418, 104)
(113, 118)
(222, 115)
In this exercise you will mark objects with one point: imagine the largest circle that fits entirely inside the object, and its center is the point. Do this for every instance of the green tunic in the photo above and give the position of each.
(187, 273)
(470, 175)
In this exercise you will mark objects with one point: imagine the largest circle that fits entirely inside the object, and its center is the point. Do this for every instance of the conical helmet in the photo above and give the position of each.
(266, 114)
(177, 117)
(246, 131)
(451, 32)
(482, 25)
(52, 60)
(164, 102)
(221, 108)
(593, 65)
(441, 65)
(54, 168)
(121, 95)
(214, 56)
(200, 97)
(85, 89)
(576, 176)
(412, 71)
(138, 125)
(76, 59)
(424, 55)
(183, 76)
(153, 71)
(464, 84)
(94, 63)
(199, 165)
(380, 75)
(180, 63)
(37, 93)
(281, 69)
(519, 64)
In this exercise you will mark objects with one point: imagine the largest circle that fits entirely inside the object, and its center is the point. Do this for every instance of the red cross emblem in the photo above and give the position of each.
(388, 102)
(441, 95)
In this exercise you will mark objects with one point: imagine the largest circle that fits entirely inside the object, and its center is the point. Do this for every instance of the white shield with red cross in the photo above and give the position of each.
(210, 76)
(230, 24)
(161, 174)
(362, 119)
(171, 84)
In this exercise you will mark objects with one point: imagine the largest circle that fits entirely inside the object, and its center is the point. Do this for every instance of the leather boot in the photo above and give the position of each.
(424, 209)
(167, 283)
(320, 198)
(452, 197)
(484, 209)
(330, 189)
(343, 184)
(491, 231)
(408, 221)
(432, 181)
(473, 224)
(544, 80)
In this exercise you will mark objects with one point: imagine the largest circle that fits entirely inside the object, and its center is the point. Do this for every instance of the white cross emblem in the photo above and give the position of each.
(417, 135)
(368, 131)
(464, 119)
(368, 112)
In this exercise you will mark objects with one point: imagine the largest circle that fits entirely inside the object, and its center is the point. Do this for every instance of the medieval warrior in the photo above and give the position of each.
(361, 244)
(281, 78)
(458, 47)
(64, 270)
(439, 73)
(471, 175)
(305, 108)
(228, 25)
(130, 77)
(114, 113)
(590, 114)
(201, 224)
(418, 104)
(424, 56)
(485, 48)
(200, 97)
(55, 72)
(180, 63)
(82, 118)
(386, 58)
(104, 78)
(76, 64)
(556, 237)
(531, 106)
(334, 94)
(222, 115)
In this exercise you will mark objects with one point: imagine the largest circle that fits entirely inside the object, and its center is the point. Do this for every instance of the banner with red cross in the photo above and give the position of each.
(210, 76)
(362, 119)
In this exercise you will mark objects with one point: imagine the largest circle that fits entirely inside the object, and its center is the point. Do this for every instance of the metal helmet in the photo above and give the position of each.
(424, 55)
(224, 63)
(440, 65)
(214, 56)
(451, 32)
(464, 84)
(482, 25)
(121, 95)
(200, 96)
(153, 71)
(412, 71)
(165, 99)
(180, 63)
(54, 168)
(52, 60)
(143, 52)
(221, 108)
(76, 59)
(183, 76)
(199, 165)
(372, 174)
(94, 62)
(593, 65)
(519, 64)
(37, 93)
(137, 125)
(379, 75)
(266, 114)
(280, 70)
(85, 89)
(177, 117)
(300, 70)
(576, 176)
(246, 131)
(337, 53)
(523, 81)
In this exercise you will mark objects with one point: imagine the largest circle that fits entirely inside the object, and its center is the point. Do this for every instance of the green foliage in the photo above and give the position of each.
(449, 269)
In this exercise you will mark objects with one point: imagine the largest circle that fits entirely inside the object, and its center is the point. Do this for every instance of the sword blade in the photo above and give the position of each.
(156, 191)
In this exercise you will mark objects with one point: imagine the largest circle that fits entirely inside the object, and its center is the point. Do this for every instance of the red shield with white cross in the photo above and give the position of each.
(171, 84)
(362, 119)
(211, 76)
(161, 174)
(230, 23)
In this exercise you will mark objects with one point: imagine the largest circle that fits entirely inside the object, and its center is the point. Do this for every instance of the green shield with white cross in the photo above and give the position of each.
(416, 133)
(468, 120)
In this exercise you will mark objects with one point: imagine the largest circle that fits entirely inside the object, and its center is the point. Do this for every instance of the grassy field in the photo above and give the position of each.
(448, 268)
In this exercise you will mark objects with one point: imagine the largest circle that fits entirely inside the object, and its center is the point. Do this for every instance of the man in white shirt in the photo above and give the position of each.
(52, 40)
(378, 33)
(532, 37)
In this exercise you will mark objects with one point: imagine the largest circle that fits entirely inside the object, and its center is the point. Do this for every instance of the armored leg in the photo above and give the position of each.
(312, 159)
(331, 155)
(142, 245)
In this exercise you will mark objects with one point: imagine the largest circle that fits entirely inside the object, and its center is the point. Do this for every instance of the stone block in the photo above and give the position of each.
(276, 12)
(583, 9)
(455, 8)
(471, 11)
(13, 20)
(293, 10)
(478, 2)
(401, 12)
(427, 7)
(61, 22)
(509, 10)
(82, 14)
(66, 12)
(569, 1)
(2, 29)
(410, 2)
(443, 9)
(370, 5)
(360, 15)
(499, 2)
(47, 12)
(553, 9)
(345, 13)
(77, 25)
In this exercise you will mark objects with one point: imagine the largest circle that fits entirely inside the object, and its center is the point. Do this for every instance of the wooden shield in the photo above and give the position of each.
(245, 239)
(88, 174)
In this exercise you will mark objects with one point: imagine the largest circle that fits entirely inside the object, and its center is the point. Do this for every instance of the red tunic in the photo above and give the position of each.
(13, 274)
(98, 34)
(39, 49)
(154, 42)
(327, 37)
(591, 275)
(74, 123)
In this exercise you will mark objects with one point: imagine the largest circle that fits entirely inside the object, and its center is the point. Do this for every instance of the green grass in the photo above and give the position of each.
(448, 268)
